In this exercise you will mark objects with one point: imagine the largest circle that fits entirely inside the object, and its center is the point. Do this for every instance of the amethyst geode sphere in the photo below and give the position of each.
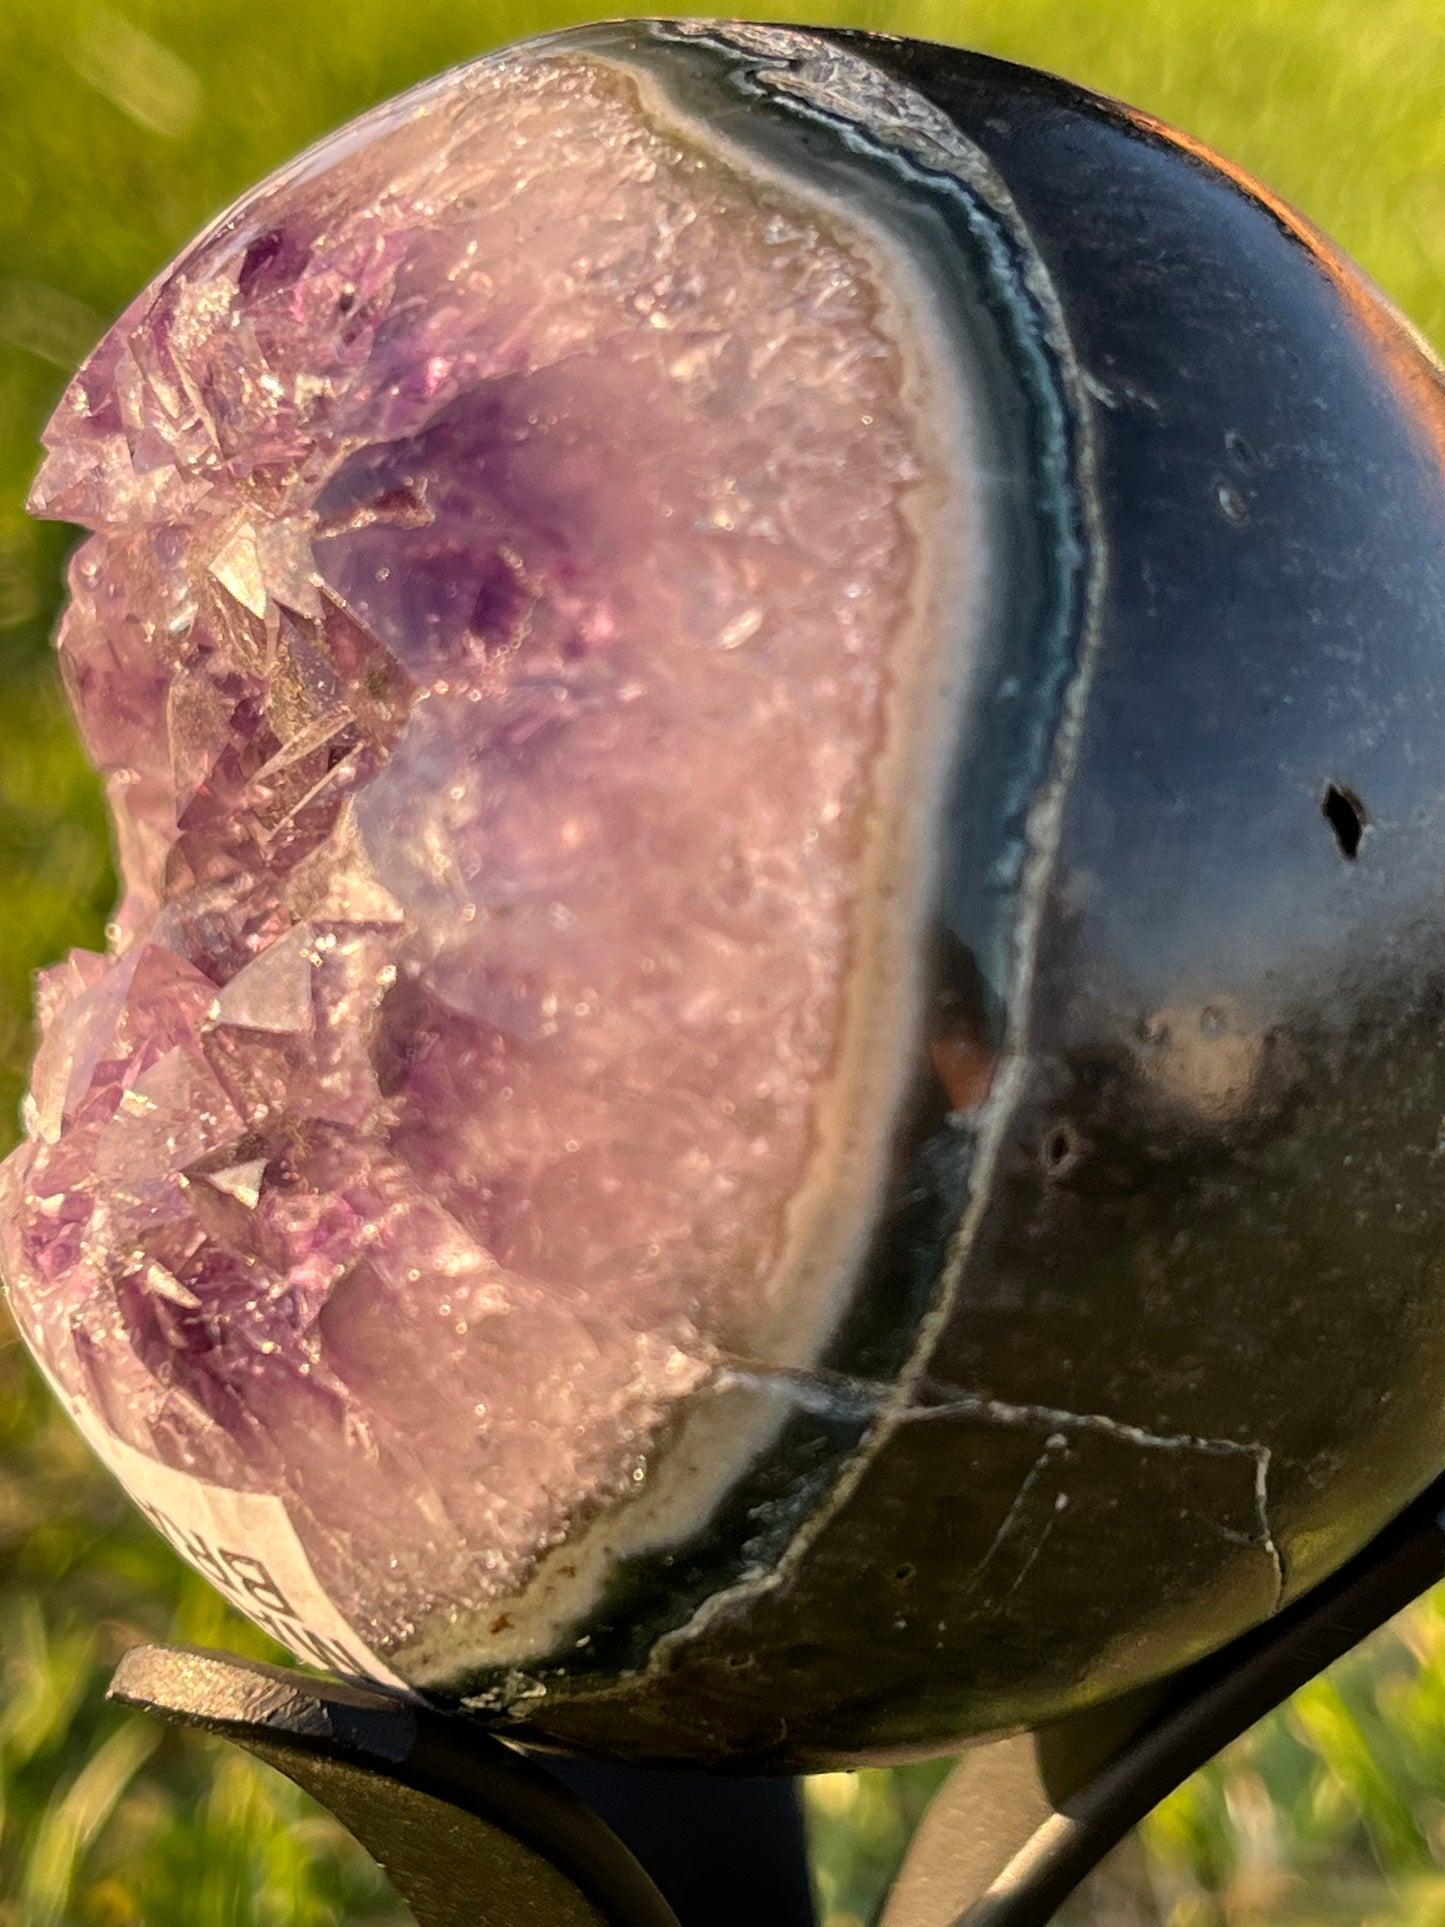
(766, 1085)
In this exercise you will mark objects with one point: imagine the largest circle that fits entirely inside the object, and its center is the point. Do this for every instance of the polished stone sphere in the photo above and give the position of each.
(766, 1092)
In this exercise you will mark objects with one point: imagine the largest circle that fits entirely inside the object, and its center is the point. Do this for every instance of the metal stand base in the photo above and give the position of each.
(473, 1833)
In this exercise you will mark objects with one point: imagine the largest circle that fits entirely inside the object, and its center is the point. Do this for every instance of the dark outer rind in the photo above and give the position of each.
(1265, 1274)
(1027, 425)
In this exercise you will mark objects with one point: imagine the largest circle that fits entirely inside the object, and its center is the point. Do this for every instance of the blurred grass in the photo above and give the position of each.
(121, 131)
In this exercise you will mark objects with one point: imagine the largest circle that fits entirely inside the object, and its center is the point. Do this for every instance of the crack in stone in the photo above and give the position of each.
(1060, 1502)
(1268, 1543)
(1054, 1446)
(838, 1396)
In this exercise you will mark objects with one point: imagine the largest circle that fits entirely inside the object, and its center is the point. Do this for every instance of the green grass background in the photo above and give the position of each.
(122, 129)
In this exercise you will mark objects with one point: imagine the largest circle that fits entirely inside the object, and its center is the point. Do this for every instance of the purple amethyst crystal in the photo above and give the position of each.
(530, 575)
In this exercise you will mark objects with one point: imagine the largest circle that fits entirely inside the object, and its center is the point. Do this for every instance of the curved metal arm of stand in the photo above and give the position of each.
(1023, 1821)
(473, 1834)
(470, 1833)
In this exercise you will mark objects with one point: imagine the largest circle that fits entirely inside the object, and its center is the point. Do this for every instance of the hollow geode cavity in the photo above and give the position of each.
(677, 1137)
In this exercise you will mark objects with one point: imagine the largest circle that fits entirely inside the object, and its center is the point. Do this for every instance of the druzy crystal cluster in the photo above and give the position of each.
(510, 635)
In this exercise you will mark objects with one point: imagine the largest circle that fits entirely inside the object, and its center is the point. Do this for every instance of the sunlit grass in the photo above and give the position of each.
(1330, 1813)
(122, 128)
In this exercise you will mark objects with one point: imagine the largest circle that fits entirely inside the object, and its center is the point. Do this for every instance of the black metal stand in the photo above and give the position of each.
(473, 1833)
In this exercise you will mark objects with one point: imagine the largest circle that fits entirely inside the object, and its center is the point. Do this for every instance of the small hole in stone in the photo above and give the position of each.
(1059, 1151)
(1345, 814)
(1238, 449)
(903, 1574)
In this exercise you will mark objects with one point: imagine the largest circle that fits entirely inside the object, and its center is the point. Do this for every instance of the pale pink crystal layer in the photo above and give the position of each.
(507, 552)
